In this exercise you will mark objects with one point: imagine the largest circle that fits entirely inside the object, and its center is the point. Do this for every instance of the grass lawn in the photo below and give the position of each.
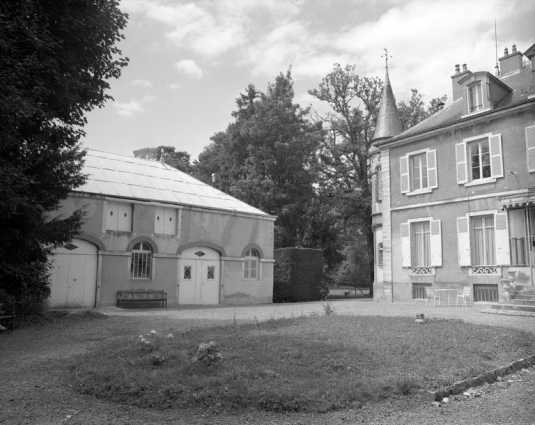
(316, 363)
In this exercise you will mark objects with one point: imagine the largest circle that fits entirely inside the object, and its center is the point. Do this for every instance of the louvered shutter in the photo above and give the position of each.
(169, 221)
(463, 241)
(405, 245)
(460, 154)
(436, 243)
(502, 239)
(404, 171)
(496, 158)
(530, 147)
(432, 176)
(125, 217)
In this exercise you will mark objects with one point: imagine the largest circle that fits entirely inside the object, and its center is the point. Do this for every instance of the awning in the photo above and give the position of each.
(518, 201)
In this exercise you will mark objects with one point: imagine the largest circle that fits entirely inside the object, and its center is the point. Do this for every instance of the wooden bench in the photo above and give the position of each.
(7, 315)
(141, 298)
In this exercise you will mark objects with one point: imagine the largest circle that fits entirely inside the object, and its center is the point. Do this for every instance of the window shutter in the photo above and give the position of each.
(502, 239)
(530, 147)
(405, 245)
(432, 176)
(159, 217)
(169, 227)
(111, 211)
(404, 171)
(460, 154)
(125, 217)
(496, 160)
(463, 241)
(436, 243)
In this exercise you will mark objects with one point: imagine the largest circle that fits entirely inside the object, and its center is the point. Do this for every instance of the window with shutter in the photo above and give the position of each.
(418, 172)
(421, 245)
(479, 159)
(118, 216)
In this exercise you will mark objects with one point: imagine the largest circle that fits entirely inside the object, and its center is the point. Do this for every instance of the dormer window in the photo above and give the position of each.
(475, 97)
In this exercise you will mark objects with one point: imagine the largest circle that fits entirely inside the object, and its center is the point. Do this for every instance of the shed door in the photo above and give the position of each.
(74, 276)
(199, 277)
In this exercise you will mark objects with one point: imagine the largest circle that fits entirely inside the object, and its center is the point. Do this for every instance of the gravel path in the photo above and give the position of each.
(33, 389)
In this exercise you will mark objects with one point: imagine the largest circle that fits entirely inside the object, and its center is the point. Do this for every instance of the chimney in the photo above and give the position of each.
(510, 62)
(457, 89)
(162, 157)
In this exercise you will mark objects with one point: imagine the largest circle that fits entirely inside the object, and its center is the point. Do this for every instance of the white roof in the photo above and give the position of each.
(122, 176)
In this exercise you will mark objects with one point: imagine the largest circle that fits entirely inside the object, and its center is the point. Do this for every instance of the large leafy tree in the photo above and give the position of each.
(177, 159)
(344, 166)
(55, 59)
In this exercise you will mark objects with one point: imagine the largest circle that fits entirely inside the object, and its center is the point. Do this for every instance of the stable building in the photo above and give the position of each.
(150, 227)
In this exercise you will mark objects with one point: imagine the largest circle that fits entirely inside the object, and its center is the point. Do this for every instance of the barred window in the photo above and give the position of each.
(141, 267)
(252, 265)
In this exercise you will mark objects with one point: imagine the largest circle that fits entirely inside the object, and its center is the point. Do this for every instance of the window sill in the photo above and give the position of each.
(166, 236)
(470, 114)
(119, 232)
(480, 182)
(133, 280)
(419, 192)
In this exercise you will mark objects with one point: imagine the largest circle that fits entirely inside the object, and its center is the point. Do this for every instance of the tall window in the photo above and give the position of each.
(418, 171)
(420, 244)
(379, 189)
(252, 265)
(141, 267)
(482, 242)
(380, 254)
(480, 159)
(475, 97)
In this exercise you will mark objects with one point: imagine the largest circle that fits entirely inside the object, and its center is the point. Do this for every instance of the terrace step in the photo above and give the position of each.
(517, 307)
(522, 302)
(518, 296)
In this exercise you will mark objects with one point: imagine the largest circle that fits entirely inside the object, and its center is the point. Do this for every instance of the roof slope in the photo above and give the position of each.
(388, 123)
(518, 81)
(122, 176)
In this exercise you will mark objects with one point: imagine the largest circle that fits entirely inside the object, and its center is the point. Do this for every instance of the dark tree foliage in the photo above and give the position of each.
(55, 58)
(266, 158)
(177, 159)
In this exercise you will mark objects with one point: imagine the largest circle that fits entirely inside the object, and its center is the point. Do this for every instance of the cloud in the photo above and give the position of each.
(141, 83)
(189, 67)
(174, 86)
(128, 109)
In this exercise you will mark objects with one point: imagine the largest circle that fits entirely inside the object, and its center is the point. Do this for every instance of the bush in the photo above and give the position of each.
(298, 275)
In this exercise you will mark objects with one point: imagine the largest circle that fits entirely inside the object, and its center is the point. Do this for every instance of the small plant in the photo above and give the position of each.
(328, 309)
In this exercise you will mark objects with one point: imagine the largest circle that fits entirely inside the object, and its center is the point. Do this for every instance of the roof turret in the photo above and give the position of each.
(388, 123)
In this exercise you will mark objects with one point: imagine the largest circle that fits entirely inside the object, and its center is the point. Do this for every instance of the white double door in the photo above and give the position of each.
(199, 276)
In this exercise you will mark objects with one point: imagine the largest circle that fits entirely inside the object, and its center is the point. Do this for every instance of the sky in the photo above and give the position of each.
(190, 60)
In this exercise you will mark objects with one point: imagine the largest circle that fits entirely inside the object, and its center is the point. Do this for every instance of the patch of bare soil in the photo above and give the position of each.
(34, 386)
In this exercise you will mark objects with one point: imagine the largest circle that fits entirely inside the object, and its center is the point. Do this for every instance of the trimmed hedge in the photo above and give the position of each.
(298, 275)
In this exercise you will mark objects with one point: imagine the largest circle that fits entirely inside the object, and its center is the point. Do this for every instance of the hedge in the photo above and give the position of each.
(298, 275)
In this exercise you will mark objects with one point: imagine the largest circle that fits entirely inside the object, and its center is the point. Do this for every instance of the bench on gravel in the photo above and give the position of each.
(7, 315)
(141, 298)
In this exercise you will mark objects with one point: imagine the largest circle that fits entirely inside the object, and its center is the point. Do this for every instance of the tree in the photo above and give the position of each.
(55, 58)
(344, 152)
(177, 159)
(414, 111)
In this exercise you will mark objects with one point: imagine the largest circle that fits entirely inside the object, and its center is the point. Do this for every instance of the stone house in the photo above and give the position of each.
(454, 196)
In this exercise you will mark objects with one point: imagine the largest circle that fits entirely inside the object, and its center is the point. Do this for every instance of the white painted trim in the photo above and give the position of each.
(419, 192)
(481, 136)
(480, 181)
(463, 199)
(478, 213)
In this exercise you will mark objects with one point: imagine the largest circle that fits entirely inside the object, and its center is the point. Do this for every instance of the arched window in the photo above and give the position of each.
(252, 265)
(141, 267)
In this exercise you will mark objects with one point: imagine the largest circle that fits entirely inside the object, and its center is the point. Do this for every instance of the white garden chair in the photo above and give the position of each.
(464, 294)
(430, 294)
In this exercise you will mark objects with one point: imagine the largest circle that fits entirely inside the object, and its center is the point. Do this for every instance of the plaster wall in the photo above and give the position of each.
(231, 235)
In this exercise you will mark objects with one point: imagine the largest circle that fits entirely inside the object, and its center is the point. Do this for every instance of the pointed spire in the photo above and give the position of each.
(388, 123)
